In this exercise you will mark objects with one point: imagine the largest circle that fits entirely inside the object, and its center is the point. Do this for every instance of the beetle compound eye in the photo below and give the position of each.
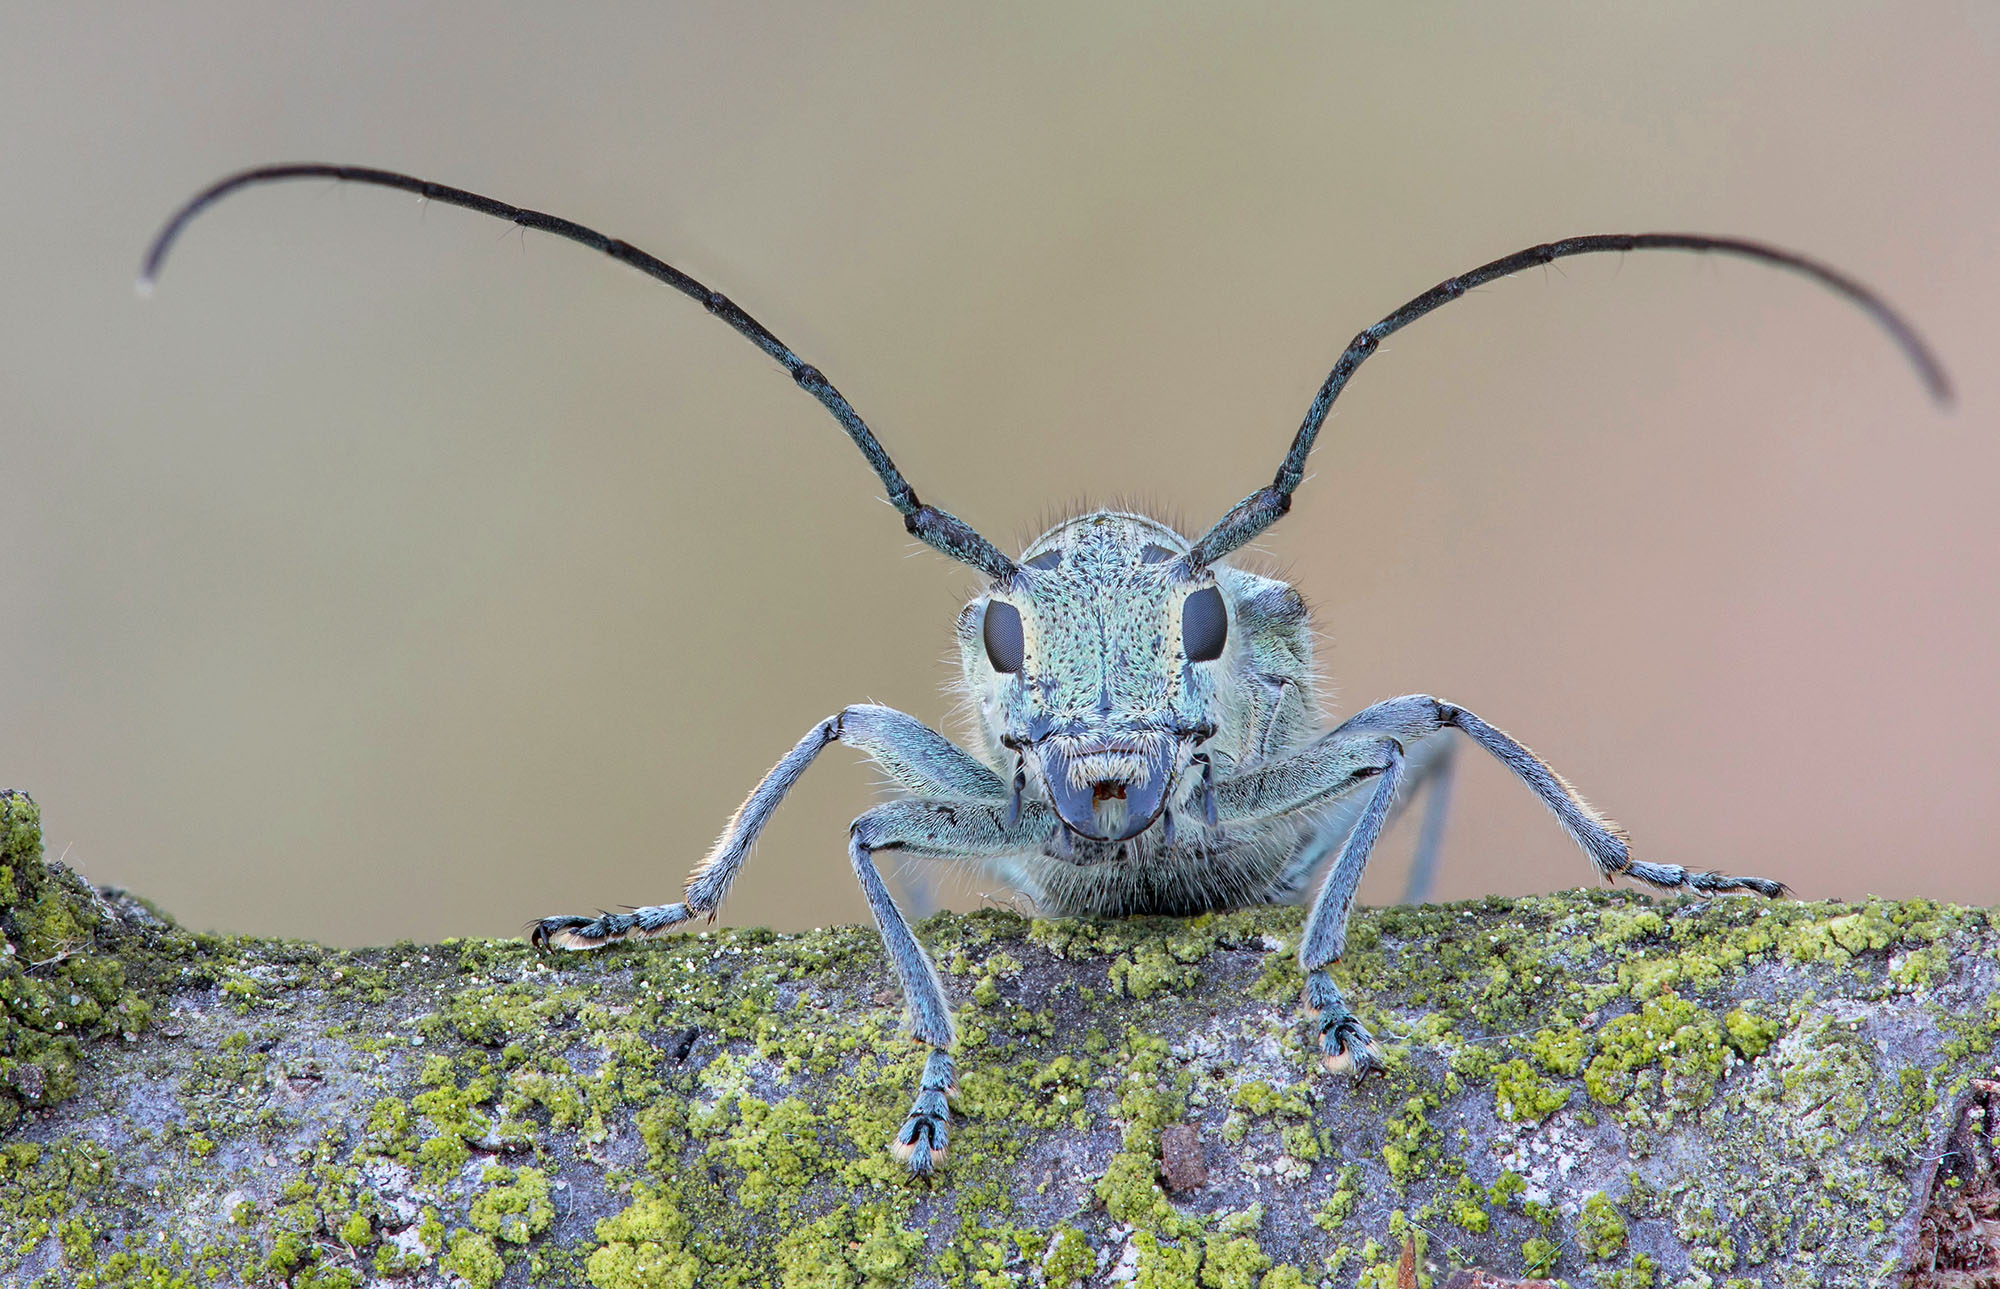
(1005, 648)
(1204, 625)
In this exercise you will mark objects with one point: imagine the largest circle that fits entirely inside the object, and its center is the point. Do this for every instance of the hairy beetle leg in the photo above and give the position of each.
(1344, 1042)
(925, 1137)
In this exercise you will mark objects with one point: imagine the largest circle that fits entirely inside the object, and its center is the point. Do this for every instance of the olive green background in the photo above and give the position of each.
(391, 574)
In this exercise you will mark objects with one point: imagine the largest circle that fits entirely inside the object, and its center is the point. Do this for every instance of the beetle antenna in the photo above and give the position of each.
(936, 528)
(1266, 506)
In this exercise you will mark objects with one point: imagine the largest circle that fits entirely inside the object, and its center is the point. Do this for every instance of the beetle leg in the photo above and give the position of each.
(914, 756)
(927, 830)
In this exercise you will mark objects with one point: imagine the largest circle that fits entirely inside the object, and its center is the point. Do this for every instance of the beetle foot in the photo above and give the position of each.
(1673, 877)
(572, 932)
(924, 1140)
(1345, 1044)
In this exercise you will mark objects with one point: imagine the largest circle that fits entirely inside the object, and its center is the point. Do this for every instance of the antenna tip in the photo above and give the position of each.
(143, 286)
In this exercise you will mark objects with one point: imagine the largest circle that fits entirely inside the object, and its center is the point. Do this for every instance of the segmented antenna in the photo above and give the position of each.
(937, 528)
(1267, 506)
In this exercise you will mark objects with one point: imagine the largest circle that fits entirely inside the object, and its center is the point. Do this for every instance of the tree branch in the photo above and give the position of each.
(1589, 1086)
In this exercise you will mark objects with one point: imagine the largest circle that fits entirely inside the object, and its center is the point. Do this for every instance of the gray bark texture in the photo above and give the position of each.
(1591, 1088)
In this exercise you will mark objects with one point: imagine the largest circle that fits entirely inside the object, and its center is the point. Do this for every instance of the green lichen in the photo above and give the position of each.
(474, 1260)
(1840, 939)
(1749, 1033)
(1339, 1207)
(849, 1249)
(1412, 1146)
(357, 1231)
(1669, 1054)
(41, 1183)
(1522, 1095)
(1236, 1263)
(1470, 1214)
(775, 1147)
(1070, 1259)
(1642, 1274)
(1130, 1189)
(1600, 1229)
(1540, 1256)
(646, 1246)
(1560, 1049)
(453, 1113)
(514, 1207)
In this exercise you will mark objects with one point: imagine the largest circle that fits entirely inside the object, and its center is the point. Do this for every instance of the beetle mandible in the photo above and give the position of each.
(1150, 735)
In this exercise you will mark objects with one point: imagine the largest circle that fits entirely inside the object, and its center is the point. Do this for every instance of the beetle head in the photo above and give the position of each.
(1095, 666)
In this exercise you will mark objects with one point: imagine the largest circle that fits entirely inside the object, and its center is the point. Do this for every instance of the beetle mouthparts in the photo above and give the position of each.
(1109, 791)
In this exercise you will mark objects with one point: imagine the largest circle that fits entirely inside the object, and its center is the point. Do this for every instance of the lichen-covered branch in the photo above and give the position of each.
(1591, 1087)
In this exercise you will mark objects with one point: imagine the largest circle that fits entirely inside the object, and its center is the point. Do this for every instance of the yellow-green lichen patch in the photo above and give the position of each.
(514, 1205)
(1150, 968)
(1259, 1098)
(1338, 1209)
(1643, 1273)
(1522, 1095)
(1413, 1146)
(775, 1148)
(454, 1116)
(1540, 1257)
(1069, 1258)
(1668, 1055)
(41, 1184)
(1151, 955)
(866, 1248)
(1232, 1263)
(473, 1259)
(1748, 1032)
(1838, 934)
(321, 1224)
(1130, 1189)
(646, 1246)
(1840, 938)
(1187, 940)
(1600, 1229)
(1560, 1049)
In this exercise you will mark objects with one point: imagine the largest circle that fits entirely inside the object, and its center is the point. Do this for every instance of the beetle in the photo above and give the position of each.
(1150, 735)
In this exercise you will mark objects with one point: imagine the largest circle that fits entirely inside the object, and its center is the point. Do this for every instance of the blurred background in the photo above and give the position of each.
(391, 574)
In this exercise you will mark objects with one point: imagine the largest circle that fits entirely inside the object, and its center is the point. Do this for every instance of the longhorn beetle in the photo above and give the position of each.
(1150, 737)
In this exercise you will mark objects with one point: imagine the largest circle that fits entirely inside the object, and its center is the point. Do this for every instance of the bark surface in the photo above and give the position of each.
(1591, 1087)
